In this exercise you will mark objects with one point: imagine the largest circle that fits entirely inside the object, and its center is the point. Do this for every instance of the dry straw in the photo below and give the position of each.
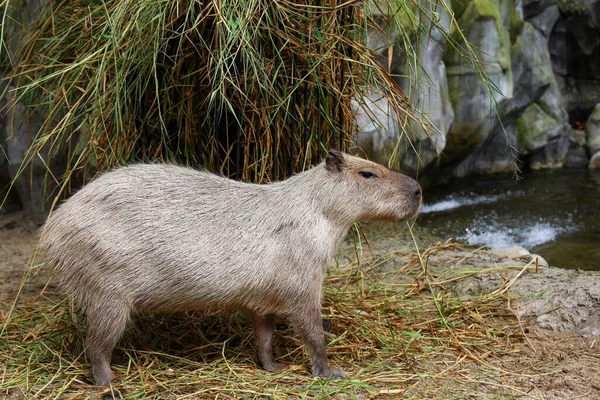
(398, 333)
(254, 89)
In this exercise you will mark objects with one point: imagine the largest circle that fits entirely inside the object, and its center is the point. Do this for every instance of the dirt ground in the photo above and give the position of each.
(559, 311)
(560, 314)
(18, 240)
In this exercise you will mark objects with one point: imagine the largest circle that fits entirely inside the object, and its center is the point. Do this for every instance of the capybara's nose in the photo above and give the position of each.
(418, 193)
(416, 190)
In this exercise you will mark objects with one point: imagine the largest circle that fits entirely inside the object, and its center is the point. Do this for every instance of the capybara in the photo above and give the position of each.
(156, 237)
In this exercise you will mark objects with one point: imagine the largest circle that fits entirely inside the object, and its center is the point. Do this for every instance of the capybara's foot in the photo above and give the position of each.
(102, 373)
(327, 372)
(338, 374)
(274, 366)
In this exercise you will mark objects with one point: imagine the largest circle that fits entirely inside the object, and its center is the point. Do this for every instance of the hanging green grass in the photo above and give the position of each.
(254, 89)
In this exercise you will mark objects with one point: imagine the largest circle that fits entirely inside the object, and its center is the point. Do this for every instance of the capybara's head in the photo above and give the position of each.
(374, 191)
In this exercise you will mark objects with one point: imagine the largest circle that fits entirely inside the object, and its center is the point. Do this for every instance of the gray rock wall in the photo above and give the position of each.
(592, 137)
(543, 56)
(29, 189)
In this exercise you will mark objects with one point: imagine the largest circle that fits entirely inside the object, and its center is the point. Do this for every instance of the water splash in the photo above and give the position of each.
(496, 227)
(453, 202)
(553, 213)
(496, 235)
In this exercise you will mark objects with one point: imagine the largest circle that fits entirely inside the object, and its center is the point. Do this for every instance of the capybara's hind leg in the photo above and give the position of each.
(263, 328)
(105, 328)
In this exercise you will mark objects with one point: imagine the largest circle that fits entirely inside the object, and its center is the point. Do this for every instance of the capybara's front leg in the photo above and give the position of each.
(310, 327)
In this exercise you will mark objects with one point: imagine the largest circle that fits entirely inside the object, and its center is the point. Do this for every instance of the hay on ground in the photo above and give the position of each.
(396, 338)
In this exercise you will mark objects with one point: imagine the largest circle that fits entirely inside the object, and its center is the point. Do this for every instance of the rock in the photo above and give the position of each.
(556, 299)
(510, 252)
(9, 200)
(541, 262)
(19, 16)
(595, 161)
(533, 8)
(378, 138)
(576, 156)
(592, 130)
(543, 19)
(575, 49)
(533, 118)
(542, 129)
(570, 300)
(378, 128)
(496, 154)
(554, 63)
(536, 127)
(381, 40)
(553, 154)
(21, 129)
(486, 27)
(579, 17)
(531, 67)
(429, 95)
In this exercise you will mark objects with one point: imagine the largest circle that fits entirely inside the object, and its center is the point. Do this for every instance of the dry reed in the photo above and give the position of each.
(407, 337)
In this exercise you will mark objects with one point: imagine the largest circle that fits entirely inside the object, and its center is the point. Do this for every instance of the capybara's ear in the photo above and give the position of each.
(335, 161)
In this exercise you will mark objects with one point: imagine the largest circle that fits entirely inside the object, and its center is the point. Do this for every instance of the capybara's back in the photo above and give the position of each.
(155, 237)
(159, 237)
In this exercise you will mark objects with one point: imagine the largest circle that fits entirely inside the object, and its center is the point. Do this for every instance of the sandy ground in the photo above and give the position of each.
(561, 315)
(559, 310)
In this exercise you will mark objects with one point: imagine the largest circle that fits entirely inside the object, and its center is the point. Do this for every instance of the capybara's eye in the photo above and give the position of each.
(368, 175)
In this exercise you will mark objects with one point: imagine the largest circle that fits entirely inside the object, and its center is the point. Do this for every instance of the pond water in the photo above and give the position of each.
(552, 213)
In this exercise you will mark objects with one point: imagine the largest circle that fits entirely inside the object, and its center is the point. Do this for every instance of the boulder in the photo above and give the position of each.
(574, 45)
(535, 127)
(592, 130)
(553, 154)
(531, 120)
(486, 27)
(19, 16)
(532, 72)
(497, 154)
(430, 93)
(9, 199)
(510, 252)
(21, 128)
(543, 120)
(379, 134)
(595, 161)
(544, 18)
(576, 156)
(539, 261)
(465, 136)
(20, 189)
(533, 8)
(378, 130)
